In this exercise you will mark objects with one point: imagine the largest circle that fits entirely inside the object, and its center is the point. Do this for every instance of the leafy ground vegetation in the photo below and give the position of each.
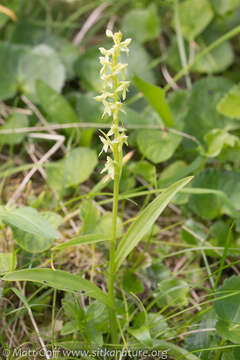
(147, 264)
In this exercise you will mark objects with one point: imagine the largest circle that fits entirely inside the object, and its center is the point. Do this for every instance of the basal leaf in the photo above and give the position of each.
(33, 243)
(145, 220)
(29, 220)
(61, 280)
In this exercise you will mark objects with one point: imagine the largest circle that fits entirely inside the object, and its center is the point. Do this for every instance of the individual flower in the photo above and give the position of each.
(109, 167)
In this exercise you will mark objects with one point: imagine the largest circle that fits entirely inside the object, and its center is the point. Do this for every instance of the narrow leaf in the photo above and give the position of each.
(61, 280)
(81, 240)
(156, 97)
(145, 221)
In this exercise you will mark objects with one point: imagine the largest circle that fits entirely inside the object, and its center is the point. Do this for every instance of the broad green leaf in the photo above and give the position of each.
(209, 206)
(217, 139)
(31, 34)
(29, 220)
(7, 262)
(231, 354)
(40, 63)
(142, 334)
(55, 105)
(172, 292)
(141, 24)
(88, 109)
(202, 115)
(229, 331)
(89, 214)
(33, 243)
(144, 169)
(216, 61)
(145, 220)
(194, 15)
(104, 226)
(156, 97)
(222, 7)
(156, 145)
(229, 105)
(61, 280)
(131, 283)
(9, 60)
(73, 169)
(227, 301)
(200, 341)
(136, 67)
(170, 172)
(82, 240)
(13, 121)
(87, 68)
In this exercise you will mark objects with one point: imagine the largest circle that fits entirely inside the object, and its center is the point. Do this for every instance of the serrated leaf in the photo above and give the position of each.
(229, 105)
(156, 97)
(61, 280)
(29, 220)
(145, 220)
(194, 15)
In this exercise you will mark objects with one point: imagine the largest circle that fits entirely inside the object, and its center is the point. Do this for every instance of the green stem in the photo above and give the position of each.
(112, 313)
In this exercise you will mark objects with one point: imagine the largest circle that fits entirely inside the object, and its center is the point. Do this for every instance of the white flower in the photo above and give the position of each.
(113, 129)
(123, 87)
(109, 167)
(120, 140)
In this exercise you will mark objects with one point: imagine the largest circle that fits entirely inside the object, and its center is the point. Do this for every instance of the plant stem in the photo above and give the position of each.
(112, 313)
